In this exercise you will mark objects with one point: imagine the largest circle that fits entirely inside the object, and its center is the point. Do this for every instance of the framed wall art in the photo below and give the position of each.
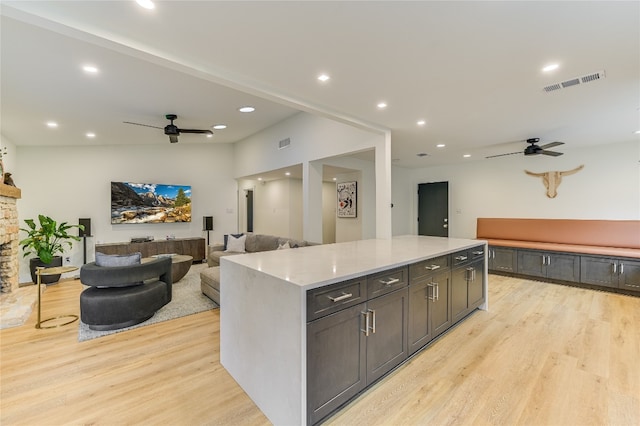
(347, 199)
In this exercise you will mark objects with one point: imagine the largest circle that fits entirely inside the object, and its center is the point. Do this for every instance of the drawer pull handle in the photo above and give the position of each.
(389, 282)
(431, 296)
(339, 298)
(461, 257)
(432, 267)
(478, 253)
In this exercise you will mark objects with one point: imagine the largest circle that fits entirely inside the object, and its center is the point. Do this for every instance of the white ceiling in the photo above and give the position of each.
(472, 70)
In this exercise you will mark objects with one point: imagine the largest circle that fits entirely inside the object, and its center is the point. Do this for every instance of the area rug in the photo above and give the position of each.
(187, 299)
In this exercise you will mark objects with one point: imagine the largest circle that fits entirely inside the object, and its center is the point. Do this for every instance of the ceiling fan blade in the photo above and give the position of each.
(145, 125)
(173, 138)
(208, 132)
(551, 145)
(551, 153)
(502, 155)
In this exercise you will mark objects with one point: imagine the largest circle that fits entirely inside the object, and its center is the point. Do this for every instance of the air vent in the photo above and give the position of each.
(284, 143)
(575, 81)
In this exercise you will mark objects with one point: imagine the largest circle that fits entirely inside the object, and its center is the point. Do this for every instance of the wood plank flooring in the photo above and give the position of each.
(544, 354)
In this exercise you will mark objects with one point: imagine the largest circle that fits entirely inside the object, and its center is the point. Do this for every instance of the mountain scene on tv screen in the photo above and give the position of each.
(150, 203)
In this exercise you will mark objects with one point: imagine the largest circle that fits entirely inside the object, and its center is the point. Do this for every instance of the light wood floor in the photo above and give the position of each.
(543, 355)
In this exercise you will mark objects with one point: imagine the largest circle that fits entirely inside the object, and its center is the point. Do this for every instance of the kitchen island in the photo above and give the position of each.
(287, 316)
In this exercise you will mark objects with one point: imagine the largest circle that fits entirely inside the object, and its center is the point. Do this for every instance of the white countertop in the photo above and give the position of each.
(315, 266)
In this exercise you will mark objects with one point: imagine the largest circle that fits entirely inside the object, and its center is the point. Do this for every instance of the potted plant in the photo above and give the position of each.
(46, 241)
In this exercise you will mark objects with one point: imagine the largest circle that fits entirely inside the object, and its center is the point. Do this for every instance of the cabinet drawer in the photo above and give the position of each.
(476, 253)
(461, 257)
(327, 300)
(428, 267)
(386, 282)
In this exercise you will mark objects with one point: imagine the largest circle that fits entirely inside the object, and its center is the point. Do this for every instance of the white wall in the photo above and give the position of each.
(9, 160)
(329, 203)
(68, 183)
(607, 188)
(277, 208)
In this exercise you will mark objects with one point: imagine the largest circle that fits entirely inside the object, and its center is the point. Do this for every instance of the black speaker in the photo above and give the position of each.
(207, 223)
(87, 227)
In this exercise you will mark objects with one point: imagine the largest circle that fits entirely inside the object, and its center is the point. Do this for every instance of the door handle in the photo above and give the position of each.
(366, 323)
(431, 296)
(373, 320)
(445, 226)
(621, 268)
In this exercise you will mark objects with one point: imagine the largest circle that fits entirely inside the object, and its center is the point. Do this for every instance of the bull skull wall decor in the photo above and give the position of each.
(552, 180)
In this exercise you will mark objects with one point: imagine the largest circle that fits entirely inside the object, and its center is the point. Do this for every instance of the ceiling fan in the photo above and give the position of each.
(172, 130)
(534, 149)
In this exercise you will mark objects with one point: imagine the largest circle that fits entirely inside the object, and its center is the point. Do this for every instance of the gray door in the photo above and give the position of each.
(433, 209)
(250, 210)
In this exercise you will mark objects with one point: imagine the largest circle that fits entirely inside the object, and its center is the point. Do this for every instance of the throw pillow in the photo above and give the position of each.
(226, 237)
(236, 245)
(284, 246)
(117, 259)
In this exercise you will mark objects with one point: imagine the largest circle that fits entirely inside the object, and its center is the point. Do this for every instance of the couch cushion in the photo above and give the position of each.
(265, 242)
(292, 243)
(226, 238)
(236, 245)
(114, 260)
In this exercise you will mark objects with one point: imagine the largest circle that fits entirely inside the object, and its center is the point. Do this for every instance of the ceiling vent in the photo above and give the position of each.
(575, 81)
(284, 143)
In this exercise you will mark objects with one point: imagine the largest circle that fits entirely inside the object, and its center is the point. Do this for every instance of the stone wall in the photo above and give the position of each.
(9, 238)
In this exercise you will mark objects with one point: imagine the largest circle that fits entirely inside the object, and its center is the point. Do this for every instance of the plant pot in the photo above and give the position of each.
(44, 279)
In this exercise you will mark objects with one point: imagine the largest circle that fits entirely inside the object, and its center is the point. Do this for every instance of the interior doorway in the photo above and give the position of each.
(249, 196)
(433, 209)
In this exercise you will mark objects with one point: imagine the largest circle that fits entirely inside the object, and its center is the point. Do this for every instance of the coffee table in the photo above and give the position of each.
(180, 264)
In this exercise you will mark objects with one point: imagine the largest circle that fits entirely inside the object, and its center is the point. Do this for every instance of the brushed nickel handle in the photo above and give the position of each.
(437, 288)
(461, 257)
(548, 260)
(544, 260)
(373, 321)
(469, 274)
(477, 253)
(389, 282)
(432, 267)
(339, 298)
(366, 323)
(615, 268)
(621, 268)
(433, 292)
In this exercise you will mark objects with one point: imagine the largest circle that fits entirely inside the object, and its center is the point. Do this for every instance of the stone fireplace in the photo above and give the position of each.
(9, 238)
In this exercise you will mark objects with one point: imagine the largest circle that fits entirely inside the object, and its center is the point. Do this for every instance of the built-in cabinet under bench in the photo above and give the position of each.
(320, 324)
(618, 273)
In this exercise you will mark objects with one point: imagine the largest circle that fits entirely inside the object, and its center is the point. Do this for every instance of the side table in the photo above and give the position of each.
(52, 271)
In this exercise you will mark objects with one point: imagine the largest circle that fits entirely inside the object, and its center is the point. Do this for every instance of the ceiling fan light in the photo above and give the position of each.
(246, 109)
(550, 67)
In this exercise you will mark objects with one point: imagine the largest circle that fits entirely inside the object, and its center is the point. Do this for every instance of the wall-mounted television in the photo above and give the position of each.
(150, 203)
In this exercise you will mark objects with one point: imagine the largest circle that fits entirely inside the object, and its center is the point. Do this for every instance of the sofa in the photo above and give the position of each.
(210, 277)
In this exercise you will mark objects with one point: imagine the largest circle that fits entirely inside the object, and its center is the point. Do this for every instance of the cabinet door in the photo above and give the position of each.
(419, 326)
(532, 263)
(475, 285)
(336, 363)
(598, 271)
(439, 306)
(629, 274)
(459, 294)
(387, 344)
(563, 267)
(503, 259)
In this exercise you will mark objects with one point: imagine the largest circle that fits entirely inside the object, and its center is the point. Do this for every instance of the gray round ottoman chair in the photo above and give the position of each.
(122, 296)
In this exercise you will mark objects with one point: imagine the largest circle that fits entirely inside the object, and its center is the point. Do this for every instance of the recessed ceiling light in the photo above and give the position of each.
(467, 155)
(440, 145)
(90, 69)
(147, 4)
(287, 174)
(422, 154)
(52, 124)
(323, 77)
(91, 135)
(382, 105)
(637, 132)
(335, 179)
(246, 109)
(550, 67)
(259, 178)
(220, 126)
(421, 122)
(209, 135)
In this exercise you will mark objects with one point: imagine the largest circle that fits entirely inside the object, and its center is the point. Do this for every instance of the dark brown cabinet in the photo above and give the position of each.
(349, 349)
(429, 308)
(502, 259)
(467, 288)
(559, 266)
(610, 272)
